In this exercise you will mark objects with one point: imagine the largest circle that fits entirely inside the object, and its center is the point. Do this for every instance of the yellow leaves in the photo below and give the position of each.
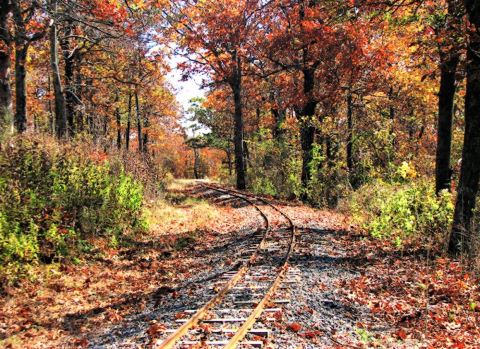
(138, 4)
(407, 170)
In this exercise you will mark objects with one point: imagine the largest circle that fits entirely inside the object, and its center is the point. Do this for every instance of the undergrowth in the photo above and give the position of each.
(55, 199)
(401, 211)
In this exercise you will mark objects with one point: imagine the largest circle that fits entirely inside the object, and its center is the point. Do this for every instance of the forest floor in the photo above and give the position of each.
(354, 292)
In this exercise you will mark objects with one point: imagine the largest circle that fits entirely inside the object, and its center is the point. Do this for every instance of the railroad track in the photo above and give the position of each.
(228, 319)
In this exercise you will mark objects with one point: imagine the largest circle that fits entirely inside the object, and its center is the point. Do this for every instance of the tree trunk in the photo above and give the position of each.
(78, 114)
(196, 163)
(60, 105)
(21, 49)
(129, 122)
(5, 91)
(145, 133)
(51, 118)
(229, 160)
(246, 155)
(462, 231)
(392, 120)
(69, 59)
(236, 86)
(105, 138)
(350, 164)
(119, 125)
(279, 116)
(139, 122)
(443, 172)
(331, 150)
(307, 139)
(307, 129)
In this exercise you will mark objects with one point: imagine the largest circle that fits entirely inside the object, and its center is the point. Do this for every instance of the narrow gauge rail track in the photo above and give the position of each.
(253, 278)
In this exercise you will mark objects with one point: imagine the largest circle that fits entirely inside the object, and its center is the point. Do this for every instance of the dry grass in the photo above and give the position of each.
(177, 212)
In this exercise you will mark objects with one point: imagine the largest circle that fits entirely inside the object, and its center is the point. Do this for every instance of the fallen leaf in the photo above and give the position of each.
(294, 327)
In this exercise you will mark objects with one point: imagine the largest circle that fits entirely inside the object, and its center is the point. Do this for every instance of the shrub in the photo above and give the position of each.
(54, 198)
(402, 210)
(329, 181)
(274, 167)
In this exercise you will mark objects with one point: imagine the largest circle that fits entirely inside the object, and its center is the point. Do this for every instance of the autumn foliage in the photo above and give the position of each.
(370, 107)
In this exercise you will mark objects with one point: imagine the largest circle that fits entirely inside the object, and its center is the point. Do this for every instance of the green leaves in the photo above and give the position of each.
(399, 211)
(55, 199)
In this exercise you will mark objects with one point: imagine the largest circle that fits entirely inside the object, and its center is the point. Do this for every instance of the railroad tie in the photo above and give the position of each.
(256, 344)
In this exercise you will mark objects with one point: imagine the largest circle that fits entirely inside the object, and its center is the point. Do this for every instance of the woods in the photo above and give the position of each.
(368, 109)
(357, 101)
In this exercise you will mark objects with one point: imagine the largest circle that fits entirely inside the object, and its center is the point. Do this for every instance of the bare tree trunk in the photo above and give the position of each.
(236, 86)
(22, 43)
(5, 91)
(51, 116)
(350, 163)
(129, 118)
(246, 155)
(145, 133)
(60, 105)
(139, 122)
(229, 160)
(307, 129)
(119, 124)
(462, 232)
(443, 172)
(196, 163)
(21, 48)
(449, 61)
(69, 60)
(78, 114)
(392, 120)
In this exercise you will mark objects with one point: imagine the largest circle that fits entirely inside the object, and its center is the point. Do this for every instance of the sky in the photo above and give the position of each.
(184, 90)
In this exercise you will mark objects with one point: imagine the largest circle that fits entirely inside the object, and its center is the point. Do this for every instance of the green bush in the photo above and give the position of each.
(274, 167)
(401, 210)
(54, 198)
(329, 181)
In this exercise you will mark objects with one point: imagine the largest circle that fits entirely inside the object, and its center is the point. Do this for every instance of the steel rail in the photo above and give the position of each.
(256, 313)
(171, 340)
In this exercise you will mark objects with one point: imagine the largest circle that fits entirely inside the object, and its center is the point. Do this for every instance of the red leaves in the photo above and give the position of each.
(155, 330)
(81, 342)
(294, 327)
(110, 10)
(435, 303)
(401, 334)
(180, 315)
(312, 334)
(113, 316)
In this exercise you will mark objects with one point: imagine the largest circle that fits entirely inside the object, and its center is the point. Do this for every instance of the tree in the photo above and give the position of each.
(216, 119)
(27, 31)
(447, 31)
(5, 52)
(297, 49)
(299, 40)
(60, 104)
(197, 143)
(216, 37)
(462, 231)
